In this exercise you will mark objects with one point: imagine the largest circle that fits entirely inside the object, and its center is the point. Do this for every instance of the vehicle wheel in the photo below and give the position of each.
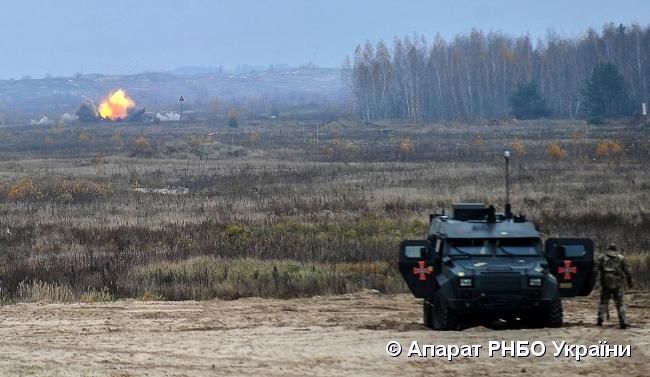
(444, 318)
(427, 314)
(554, 317)
(534, 321)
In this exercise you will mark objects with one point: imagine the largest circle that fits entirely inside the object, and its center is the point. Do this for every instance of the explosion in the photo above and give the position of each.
(116, 106)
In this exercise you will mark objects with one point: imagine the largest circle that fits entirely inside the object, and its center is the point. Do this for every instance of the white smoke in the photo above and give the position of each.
(69, 118)
(41, 122)
(168, 116)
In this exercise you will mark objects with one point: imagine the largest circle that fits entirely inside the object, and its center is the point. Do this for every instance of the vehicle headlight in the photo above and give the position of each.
(466, 282)
(535, 282)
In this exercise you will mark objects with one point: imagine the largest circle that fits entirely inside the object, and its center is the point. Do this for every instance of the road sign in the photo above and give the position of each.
(181, 100)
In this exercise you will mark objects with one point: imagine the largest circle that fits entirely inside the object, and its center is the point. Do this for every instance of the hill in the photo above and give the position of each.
(31, 98)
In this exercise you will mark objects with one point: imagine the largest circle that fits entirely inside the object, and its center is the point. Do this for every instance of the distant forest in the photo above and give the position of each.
(476, 75)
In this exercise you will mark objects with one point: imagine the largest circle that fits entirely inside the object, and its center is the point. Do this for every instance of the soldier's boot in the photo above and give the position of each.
(602, 312)
(622, 320)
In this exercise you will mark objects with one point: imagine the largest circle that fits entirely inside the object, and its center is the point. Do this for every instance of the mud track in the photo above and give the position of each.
(322, 336)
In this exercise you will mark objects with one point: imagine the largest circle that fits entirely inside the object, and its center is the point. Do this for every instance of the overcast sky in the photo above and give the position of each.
(38, 37)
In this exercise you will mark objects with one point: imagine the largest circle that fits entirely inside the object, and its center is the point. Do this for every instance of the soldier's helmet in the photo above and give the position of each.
(611, 247)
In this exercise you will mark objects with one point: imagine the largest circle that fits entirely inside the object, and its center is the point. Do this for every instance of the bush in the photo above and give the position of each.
(518, 147)
(555, 151)
(84, 138)
(609, 147)
(233, 118)
(142, 147)
(406, 146)
(22, 190)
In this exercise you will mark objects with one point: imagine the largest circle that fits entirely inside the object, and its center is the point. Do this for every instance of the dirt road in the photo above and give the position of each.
(341, 335)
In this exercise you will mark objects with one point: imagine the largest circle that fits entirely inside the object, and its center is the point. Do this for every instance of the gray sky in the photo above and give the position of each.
(120, 36)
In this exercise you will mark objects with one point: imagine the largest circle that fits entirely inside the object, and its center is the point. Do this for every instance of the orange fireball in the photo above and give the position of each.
(116, 106)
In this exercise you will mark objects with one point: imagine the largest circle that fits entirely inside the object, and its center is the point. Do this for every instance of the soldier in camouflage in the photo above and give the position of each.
(614, 273)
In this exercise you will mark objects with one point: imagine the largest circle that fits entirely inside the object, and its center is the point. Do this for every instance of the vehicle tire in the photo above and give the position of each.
(427, 314)
(534, 321)
(444, 318)
(554, 316)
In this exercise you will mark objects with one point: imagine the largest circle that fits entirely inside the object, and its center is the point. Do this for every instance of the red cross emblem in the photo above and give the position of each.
(422, 270)
(567, 270)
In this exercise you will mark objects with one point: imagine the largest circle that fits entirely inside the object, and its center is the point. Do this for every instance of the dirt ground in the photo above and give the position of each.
(340, 335)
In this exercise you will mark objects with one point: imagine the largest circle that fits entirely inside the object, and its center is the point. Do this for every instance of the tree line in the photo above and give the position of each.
(484, 75)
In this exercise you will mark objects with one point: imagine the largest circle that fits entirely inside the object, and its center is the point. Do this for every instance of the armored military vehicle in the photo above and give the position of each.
(478, 264)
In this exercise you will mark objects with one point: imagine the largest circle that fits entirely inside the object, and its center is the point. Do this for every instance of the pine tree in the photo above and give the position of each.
(233, 118)
(527, 101)
(606, 93)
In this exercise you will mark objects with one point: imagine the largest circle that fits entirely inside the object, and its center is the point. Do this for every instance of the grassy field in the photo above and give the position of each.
(191, 211)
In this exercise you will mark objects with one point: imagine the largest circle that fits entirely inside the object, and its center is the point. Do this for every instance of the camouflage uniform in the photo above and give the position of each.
(614, 273)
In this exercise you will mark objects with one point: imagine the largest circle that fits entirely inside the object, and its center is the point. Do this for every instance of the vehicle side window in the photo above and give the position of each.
(438, 246)
(415, 252)
(574, 251)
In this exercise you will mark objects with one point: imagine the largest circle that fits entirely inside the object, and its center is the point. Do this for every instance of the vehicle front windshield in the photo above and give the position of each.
(471, 246)
(494, 246)
(518, 246)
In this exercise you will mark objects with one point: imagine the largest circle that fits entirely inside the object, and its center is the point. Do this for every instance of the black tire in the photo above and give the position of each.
(551, 317)
(534, 321)
(444, 318)
(427, 314)
(554, 317)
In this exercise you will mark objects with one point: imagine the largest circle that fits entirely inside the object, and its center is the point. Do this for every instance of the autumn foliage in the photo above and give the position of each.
(143, 147)
(555, 151)
(25, 189)
(21, 190)
(406, 146)
(609, 147)
(518, 147)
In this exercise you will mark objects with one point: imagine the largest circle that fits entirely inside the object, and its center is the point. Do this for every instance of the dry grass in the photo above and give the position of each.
(328, 216)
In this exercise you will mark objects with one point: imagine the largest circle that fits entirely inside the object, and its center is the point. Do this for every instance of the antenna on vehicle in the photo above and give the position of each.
(508, 209)
(491, 215)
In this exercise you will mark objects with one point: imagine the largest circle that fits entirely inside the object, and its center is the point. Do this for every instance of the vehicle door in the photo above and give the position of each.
(571, 261)
(418, 265)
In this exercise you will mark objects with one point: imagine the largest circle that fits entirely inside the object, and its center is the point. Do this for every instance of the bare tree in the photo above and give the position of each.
(473, 75)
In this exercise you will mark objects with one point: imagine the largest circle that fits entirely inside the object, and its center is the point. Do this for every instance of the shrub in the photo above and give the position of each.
(518, 147)
(344, 147)
(80, 187)
(609, 147)
(477, 141)
(555, 151)
(233, 118)
(142, 147)
(117, 140)
(22, 190)
(84, 138)
(406, 146)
